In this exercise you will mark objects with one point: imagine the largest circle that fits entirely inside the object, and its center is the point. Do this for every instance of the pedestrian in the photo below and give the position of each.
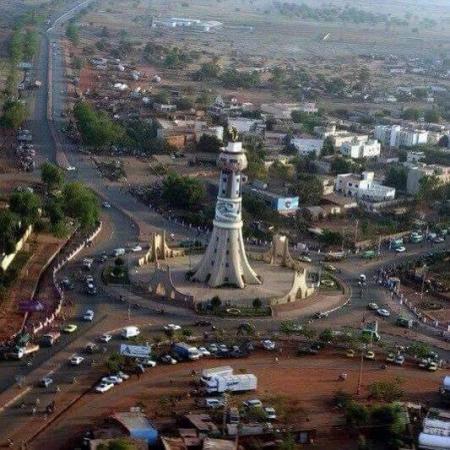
(276, 359)
(38, 401)
(33, 411)
(58, 389)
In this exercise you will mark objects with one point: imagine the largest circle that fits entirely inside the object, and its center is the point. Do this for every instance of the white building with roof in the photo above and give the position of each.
(356, 149)
(396, 136)
(306, 147)
(363, 187)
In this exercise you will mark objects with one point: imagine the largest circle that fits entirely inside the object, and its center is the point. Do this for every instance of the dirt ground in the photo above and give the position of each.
(40, 246)
(301, 389)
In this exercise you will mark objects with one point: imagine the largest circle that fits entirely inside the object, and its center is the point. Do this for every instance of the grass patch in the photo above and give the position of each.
(110, 276)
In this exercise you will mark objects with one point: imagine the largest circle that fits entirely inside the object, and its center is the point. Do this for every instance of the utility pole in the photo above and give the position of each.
(379, 246)
(225, 409)
(422, 288)
(358, 390)
(356, 230)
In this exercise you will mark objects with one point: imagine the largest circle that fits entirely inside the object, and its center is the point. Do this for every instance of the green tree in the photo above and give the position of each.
(31, 44)
(52, 176)
(357, 415)
(387, 391)
(364, 75)
(9, 231)
(327, 147)
(96, 127)
(73, 33)
(81, 204)
(209, 144)
(309, 189)
(341, 165)
(183, 192)
(396, 177)
(287, 443)
(432, 116)
(326, 335)
(389, 424)
(233, 79)
(207, 71)
(15, 113)
(411, 114)
(428, 187)
(26, 205)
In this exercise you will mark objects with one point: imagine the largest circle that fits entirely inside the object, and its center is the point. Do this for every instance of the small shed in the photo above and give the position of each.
(138, 426)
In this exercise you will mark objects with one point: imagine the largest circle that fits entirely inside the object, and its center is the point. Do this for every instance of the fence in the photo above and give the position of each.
(60, 293)
(8, 259)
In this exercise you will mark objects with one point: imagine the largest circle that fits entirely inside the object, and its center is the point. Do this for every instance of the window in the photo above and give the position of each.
(227, 265)
(212, 263)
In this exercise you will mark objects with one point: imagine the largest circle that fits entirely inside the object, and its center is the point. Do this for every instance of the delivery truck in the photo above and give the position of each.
(208, 374)
(231, 383)
(185, 352)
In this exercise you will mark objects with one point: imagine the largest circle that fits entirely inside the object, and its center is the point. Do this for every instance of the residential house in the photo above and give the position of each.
(394, 136)
(363, 187)
(245, 125)
(306, 147)
(357, 150)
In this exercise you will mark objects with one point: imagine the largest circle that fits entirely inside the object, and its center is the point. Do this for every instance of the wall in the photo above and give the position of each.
(8, 259)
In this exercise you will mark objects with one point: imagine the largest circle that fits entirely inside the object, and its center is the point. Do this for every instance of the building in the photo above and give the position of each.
(414, 157)
(436, 430)
(356, 149)
(195, 24)
(306, 147)
(162, 108)
(341, 137)
(180, 133)
(283, 111)
(225, 261)
(279, 203)
(245, 125)
(416, 173)
(394, 136)
(363, 187)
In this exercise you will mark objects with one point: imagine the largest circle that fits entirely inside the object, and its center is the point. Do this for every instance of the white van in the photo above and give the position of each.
(129, 332)
(118, 252)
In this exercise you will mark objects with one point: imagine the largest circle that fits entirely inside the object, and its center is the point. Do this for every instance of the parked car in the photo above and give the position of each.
(88, 315)
(203, 323)
(114, 379)
(45, 382)
(304, 258)
(136, 248)
(373, 306)
(369, 355)
(383, 312)
(103, 387)
(213, 348)
(76, 360)
(67, 284)
(105, 338)
(106, 205)
(270, 413)
(390, 357)
(204, 352)
(350, 353)
(214, 402)
(268, 344)
(253, 403)
(399, 360)
(123, 375)
(400, 249)
(69, 328)
(148, 362)
(172, 327)
(168, 359)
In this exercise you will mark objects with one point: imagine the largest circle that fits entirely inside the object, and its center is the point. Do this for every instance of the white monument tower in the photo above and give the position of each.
(225, 261)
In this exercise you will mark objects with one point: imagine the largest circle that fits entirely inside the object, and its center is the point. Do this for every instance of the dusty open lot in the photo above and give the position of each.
(302, 388)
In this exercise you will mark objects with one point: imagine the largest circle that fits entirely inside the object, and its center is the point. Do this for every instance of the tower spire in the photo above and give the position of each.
(225, 261)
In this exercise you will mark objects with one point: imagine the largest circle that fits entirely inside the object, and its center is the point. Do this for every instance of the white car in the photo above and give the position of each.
(400, 249)
(270, 413)
(268, 344)
(76, 360)
(88, 315)
(373, 306)
(214, 403)
(399, 360)
(223, 348)
(305, 259)
(105, 338)
(148, 363)
(71, 168)
(106, 205)
(168, 359)
(114, 379)
(438, 240)
(253, 403)
(213, 348)
(383, 312)
(172, 327)
(123, 375)
(103, 387)
(204, 352)
(136, 249)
